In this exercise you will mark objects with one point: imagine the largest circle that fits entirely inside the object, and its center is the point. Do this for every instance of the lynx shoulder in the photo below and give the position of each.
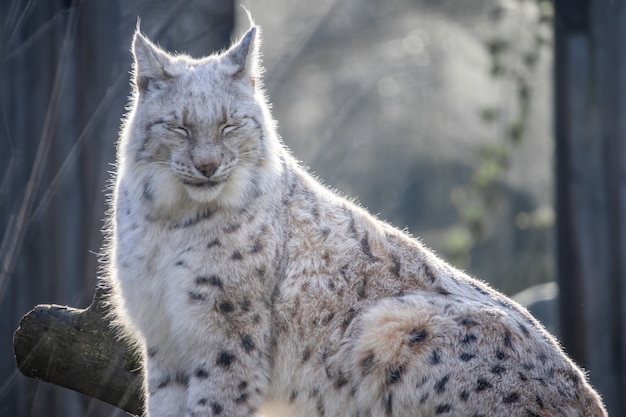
(247, 282)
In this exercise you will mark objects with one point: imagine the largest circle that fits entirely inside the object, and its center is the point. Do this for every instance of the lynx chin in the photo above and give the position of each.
(246, 282)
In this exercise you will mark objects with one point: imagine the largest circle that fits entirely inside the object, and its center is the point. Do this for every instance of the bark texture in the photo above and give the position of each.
(77, 349)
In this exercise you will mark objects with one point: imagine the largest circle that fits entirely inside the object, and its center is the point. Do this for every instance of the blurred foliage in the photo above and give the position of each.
(515, 63)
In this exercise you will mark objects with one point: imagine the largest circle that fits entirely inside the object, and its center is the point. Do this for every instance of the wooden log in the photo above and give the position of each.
(78, 349)
(590, 109)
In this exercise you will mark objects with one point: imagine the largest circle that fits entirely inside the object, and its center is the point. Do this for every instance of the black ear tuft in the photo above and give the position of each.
(243, 56)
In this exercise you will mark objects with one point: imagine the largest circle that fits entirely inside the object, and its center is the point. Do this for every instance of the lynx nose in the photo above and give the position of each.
(207, 168)
(208, 163)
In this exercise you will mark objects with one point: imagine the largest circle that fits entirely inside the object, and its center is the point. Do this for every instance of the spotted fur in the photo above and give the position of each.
(247, 282)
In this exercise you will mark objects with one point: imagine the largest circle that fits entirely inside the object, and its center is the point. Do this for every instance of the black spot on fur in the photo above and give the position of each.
(500, 355)
(147, 190)
(340, 381)
(236, 256)
(466, 356)
(213, 280)
(182, 378)
(226, 307)
(507, 339)
(246, 343)
(152, 351)
(306, 354)
(524, 329)
(440, 386)
(421, 382)
(395, 374)
(434, 358)
(469, 339)
(201, 373)
(213, 243)
(352, 227)
(231, 228)
(328, 318)
(180, 263)
(365, 248)
(424, 397)
(442, 291)
(539, 401)
(528, 366)
(225, 358)
(217, 408)
(396, 266)
(388, 403)
(350, 315)
(468, 322)
(202, 401)
(428, 273)
(464, 395)
(293, 396)
(367, 364)
(417, 336)
(198, 217)
(343, 271)
(497, 369)
(242, 385)
(197, 296)
(242, 398)
(257, 247)
(443, 408)
(573, 377)
(511, 398)
(245, 305)
(325, 353)
(319, 404)
(482, 384)
(163, 382)
(479, 289)
(361, 292)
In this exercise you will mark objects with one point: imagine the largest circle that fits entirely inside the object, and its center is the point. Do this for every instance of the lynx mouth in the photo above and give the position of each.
(204, 184)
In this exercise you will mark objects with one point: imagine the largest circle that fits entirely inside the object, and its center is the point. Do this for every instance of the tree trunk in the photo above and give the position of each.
(590, 93)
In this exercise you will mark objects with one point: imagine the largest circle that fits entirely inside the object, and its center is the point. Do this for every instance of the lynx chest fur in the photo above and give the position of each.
(246, 282)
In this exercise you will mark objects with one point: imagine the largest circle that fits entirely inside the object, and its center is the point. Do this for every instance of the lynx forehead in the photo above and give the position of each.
(246, 282)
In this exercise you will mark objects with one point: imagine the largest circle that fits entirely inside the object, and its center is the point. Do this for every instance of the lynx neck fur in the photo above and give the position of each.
(245, 281)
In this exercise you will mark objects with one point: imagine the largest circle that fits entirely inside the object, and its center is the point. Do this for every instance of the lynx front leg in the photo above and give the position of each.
(229, 381)
(167, 390)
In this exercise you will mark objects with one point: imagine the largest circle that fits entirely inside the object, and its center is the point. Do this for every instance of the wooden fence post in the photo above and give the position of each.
(590, 128)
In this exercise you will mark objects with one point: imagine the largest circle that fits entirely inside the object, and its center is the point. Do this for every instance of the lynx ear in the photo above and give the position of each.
(150, 64)
(242, 58)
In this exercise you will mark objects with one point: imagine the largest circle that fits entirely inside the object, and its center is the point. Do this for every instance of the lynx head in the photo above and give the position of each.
(199, 129)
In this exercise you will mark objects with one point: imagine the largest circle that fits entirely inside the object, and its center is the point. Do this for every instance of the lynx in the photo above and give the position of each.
(246, 282)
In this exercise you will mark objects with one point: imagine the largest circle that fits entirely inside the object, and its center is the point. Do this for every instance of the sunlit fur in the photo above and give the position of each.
(246, 282)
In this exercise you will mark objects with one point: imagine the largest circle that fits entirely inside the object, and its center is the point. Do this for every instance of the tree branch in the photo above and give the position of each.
(77, 349)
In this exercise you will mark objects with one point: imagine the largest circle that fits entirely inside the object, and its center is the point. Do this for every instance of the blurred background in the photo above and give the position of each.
(492, 130)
